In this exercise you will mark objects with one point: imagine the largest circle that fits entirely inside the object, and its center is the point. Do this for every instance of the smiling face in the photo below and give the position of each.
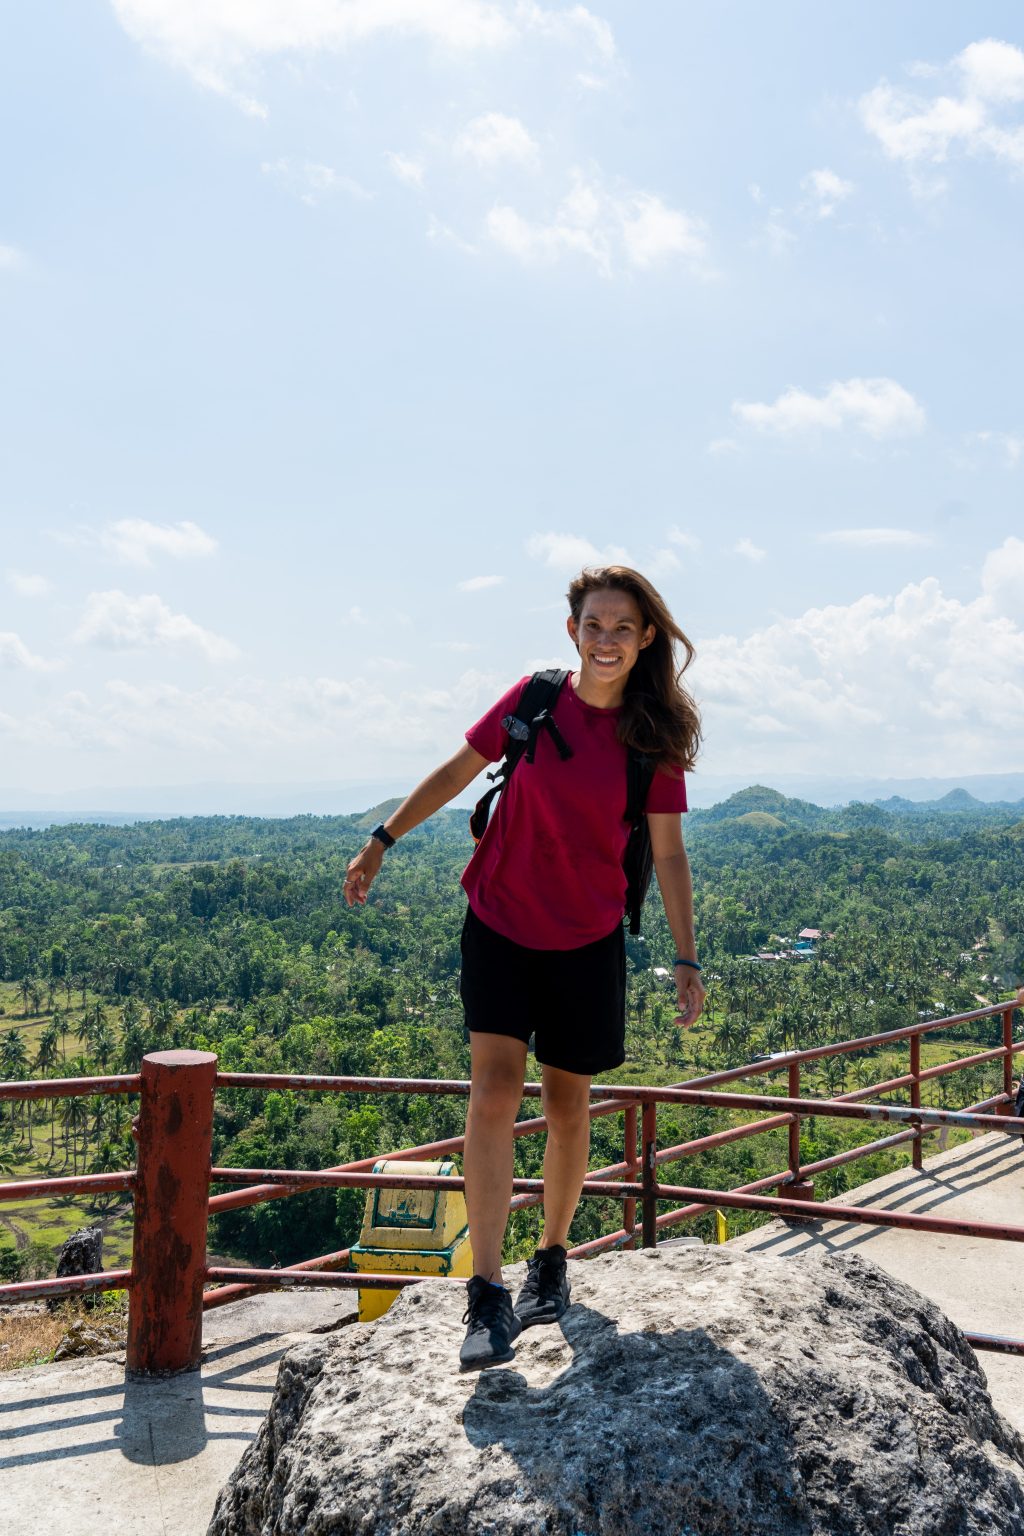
(609, 636)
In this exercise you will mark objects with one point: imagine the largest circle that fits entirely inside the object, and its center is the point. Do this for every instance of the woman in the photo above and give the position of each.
(543, 947)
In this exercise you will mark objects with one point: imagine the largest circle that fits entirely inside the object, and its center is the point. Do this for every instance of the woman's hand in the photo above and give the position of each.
(362, 872)
(690, 992)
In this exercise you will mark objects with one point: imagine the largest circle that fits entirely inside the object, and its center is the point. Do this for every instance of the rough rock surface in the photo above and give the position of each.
(84, 1338)
(692, 1392)
(81, 1254)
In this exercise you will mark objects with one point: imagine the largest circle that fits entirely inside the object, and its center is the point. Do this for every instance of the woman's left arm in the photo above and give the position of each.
(672, 868)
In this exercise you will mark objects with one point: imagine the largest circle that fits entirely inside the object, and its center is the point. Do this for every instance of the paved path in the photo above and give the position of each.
(87, 1452)
(83, 1450)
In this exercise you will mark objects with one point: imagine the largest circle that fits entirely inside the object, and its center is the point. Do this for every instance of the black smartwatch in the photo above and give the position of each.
(382, 835)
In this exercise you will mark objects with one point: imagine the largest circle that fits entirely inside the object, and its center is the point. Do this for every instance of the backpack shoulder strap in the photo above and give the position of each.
(640, 770)
(535, 703)
(539, 694)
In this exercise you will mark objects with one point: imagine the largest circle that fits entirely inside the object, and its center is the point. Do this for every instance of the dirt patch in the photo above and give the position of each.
(19, 1235)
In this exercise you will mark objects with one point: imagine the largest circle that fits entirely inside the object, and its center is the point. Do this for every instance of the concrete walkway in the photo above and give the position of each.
(89, 1453)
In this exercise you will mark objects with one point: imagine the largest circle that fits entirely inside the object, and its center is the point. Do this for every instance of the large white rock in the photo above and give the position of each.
(687, 1392)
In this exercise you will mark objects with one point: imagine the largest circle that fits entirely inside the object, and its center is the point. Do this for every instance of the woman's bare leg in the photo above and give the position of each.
(499, 1066)
(566, 1102)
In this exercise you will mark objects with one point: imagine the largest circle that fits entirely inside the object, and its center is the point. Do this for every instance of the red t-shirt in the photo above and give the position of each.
(547, 872)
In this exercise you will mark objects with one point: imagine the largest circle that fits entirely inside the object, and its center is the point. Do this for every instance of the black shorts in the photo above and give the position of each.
(572, 1000)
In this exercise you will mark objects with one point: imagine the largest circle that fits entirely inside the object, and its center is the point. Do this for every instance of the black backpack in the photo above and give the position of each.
(534, 714)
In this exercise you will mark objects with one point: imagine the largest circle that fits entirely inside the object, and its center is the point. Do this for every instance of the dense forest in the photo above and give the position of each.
(231, 934)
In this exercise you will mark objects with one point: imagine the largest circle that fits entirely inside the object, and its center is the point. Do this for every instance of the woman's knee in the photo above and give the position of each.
(567, 1107)
(496, 1094)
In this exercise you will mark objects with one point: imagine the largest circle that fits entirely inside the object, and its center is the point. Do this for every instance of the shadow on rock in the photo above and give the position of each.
(663, 1431)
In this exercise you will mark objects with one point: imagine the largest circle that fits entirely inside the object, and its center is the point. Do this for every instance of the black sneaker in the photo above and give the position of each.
(492, 1325)
(545, 1293)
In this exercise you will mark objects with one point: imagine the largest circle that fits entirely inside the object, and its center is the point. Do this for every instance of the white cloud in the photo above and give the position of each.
(570, 552)
(442, 234)
(687, 541)
(880, 407)
(405, 168)
(116, 621)
(217, 41)
(723, 445)
(134, 541)
(913, 683)
(614, 230)
(1010, 443)
(826, 191)
(984, 78)
(663, 562)
(478, 583)
(776, 238)
(311, 182)
(27, 585)
(15, 653)
(493, 138)
(749, 550)
(875, 538)
(653, 232)
(11, 259)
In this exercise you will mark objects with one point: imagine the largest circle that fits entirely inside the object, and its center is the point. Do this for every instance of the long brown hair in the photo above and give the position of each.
(658, 712)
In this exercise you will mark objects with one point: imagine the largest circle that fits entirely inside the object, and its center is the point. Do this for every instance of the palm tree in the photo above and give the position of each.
(74, 1119)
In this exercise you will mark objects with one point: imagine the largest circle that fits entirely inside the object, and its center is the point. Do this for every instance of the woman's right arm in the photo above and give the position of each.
(436, 790)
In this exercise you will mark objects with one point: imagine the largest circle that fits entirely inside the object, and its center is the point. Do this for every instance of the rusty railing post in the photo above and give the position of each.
(916, 1155)
(649, 1169)
(797, 1188)
(1007, 1109)
(632, 1163)
(172, 1191)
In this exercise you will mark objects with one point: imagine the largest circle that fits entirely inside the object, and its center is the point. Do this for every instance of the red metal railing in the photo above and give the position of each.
(172, 1181)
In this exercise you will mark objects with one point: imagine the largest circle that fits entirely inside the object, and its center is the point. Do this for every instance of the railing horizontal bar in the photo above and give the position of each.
(721, 1138)
(808, 1170)
(52, 1189)
(835, 1107)
(600, 1189)
(780, 1060)
(995, 1342)
(228, 1293)
(613, 1171)
(945, 1067)
(890, 1086)
(69, 1285)
(69, 1087)
(287, 1279)
(644, 1094)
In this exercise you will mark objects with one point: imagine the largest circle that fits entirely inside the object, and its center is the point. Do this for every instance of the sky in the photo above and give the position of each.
(337, 335)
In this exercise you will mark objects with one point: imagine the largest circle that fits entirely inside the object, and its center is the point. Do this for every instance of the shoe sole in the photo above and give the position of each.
(542, 1319)
(482, 1364)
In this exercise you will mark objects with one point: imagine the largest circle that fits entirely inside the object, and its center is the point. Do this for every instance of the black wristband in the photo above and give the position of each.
(680, 961)
(382, 835)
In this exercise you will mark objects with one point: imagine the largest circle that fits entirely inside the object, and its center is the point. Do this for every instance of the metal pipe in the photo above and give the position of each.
(631, 1165)
(288, 1279)
(68, 1285)
(915, 1095)
(228, 1293)
(69, 1087)
(84, 1184)
(649, 1148)
(175, 1135)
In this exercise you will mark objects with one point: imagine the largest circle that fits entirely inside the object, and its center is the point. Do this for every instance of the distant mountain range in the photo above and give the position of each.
(797, 797)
